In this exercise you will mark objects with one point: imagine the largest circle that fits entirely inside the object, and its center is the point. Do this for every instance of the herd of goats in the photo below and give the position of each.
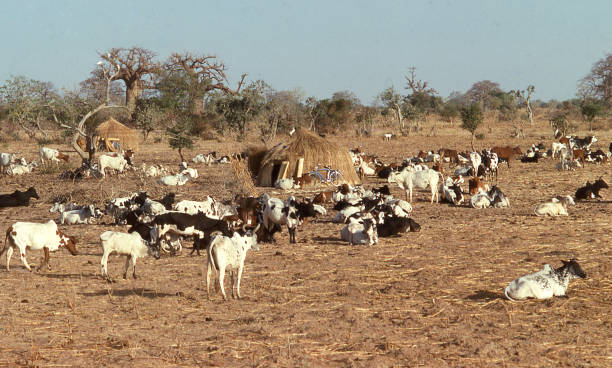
(227, 230)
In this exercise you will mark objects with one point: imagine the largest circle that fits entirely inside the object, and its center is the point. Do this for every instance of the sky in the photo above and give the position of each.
(321, 47)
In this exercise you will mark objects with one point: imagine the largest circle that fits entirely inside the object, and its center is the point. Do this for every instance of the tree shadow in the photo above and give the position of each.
(485, 295)
(66, 275)
(145, 293)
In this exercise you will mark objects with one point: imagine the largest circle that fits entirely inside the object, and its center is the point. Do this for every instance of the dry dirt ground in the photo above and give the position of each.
(433, 298)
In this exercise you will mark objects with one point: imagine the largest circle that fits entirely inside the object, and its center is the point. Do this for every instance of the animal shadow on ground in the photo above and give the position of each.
(485, 295)
(42, 273)
(328, 240)
(147, 293)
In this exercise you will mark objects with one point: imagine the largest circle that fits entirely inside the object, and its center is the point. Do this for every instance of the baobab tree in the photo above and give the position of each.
(136, 69)
(204, 74)
(598, 83)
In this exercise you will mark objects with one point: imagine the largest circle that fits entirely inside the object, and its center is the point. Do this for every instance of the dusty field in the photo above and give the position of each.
(432, 298)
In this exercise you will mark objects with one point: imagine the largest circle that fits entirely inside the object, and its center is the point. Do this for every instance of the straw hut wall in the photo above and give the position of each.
(314, 150)
(111, 128)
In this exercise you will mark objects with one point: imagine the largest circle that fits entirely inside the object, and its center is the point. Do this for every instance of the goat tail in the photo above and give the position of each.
(508, 296)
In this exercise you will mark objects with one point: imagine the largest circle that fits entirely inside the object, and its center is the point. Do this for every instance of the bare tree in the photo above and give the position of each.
(481, 92)
(525, 96)
(136, 69)
(206, 74)
(418, 86)
(392, 100)
(110, 73)
(599, 81)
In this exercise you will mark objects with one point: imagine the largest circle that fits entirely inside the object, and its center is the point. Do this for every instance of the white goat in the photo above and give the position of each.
(130, 245)
(546, 283)
(229, 254)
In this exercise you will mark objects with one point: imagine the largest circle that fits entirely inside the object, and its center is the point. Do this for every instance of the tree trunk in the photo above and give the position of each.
(473, 133)
(180, 152)
(132, 93)
(529, 112)
(398, 112)
(196, 104)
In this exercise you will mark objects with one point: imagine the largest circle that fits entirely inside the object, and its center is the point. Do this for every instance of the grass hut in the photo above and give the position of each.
(300, 156)
(111, 132)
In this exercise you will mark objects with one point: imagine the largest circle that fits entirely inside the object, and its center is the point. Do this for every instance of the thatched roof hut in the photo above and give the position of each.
(112, 131)
(304, 152)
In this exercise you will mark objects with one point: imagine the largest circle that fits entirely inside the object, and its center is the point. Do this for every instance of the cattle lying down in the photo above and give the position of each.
(17, 198)
(591, 191)
(546, 283)
(555, 207)
(34, 236)
(360, 231)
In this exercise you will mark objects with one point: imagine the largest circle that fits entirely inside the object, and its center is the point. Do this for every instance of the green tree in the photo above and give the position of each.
(148, 116)
(26, 101)
(481, 92)
(392, 100)
(590, 108)
(471, 117)
(241, 108)
(180, 133)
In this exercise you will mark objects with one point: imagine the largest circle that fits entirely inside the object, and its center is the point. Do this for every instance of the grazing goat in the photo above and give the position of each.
(46, 236)
(51, 154)
(362, 231)
(546, 283)
(554, 207)
(408, 178)
(17, 198)
(129, 244)
(591, 191)
(226, 253)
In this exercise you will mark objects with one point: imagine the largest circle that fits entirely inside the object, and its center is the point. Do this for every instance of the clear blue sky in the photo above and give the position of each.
(322, 46)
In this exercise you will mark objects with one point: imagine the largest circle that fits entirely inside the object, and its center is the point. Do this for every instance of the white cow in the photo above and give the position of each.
(360, 231)
(51, 155)
(546, 283)
(34, 236)
(408, 178)
(555, 207)
(226, 253)
(111, 162)
(131, 245)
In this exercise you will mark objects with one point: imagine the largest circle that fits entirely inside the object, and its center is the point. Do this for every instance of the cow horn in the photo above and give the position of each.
(244, 228)
(256, 228)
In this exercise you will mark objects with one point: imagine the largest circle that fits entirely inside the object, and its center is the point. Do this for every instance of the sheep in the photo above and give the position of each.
(229, 253)
(129, 244)
(360, 231)
(546, 283)
(555, 207)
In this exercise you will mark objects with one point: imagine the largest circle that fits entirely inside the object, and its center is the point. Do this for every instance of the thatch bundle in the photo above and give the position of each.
(112, 129)
(313, 150)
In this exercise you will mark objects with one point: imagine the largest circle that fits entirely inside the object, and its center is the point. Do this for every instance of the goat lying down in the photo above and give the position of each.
(554, 207)
(546, 283)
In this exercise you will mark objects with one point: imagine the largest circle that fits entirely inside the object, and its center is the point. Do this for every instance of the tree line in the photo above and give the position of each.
(189, 95)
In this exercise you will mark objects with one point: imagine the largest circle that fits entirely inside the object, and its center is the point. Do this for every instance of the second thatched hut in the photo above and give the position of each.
(112, 133)
(300, 156)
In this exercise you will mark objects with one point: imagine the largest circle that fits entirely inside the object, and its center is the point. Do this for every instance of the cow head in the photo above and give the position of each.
(32, 193)
(68, 242)
(573, 269)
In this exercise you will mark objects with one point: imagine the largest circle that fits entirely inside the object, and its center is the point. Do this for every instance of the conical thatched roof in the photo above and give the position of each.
(111, 128)
(314, 150)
